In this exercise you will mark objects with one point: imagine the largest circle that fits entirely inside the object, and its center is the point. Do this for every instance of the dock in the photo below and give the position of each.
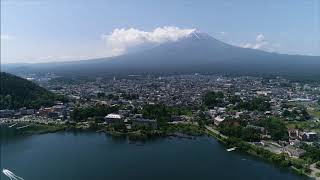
(23, 127)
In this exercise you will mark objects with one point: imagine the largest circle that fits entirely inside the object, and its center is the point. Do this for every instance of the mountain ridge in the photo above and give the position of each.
(17, 92)
(198, 52)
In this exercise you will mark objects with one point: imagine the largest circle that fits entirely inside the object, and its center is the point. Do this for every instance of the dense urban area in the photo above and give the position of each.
(272, 118)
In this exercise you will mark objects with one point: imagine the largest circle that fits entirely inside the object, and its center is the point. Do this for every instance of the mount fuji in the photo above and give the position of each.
(198, 52)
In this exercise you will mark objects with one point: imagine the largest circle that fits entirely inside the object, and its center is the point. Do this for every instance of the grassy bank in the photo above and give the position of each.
(23, 129)
(42, 129)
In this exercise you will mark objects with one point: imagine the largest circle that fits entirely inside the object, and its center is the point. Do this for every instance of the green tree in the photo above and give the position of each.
(246, 134)
(276, 128)
(16, 92)
(213, 99)
(259, 104)
(312, 152)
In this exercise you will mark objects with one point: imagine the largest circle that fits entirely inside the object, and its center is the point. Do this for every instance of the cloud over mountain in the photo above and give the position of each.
(260, 42)
(120, 40)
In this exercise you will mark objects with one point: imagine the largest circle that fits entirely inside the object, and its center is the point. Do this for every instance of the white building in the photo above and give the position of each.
(218, 120)
(113, 118)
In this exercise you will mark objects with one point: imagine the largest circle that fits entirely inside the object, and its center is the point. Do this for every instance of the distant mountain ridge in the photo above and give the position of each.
(16, 92)
(199, 52)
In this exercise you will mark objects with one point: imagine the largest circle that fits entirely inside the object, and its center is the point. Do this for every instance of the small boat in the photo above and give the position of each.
(11, 175)
(231, 149)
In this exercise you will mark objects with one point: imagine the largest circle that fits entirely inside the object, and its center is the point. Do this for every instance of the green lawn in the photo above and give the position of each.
(315, 113)
(307, 125)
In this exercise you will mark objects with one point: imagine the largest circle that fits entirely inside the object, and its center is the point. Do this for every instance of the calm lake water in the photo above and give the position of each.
(95, 156)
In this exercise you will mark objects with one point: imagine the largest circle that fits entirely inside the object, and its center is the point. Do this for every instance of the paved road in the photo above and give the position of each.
(314, 171)
(215, 132)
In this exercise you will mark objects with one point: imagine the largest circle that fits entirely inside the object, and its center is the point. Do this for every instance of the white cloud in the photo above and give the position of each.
(260, 38)
(223, 33)
(260, 43)
(6, 37)
(120, 40)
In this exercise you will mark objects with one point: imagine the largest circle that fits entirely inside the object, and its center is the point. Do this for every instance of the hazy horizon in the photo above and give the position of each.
(106, 57)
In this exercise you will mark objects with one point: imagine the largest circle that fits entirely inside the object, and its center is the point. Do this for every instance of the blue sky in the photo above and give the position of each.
(60, 30)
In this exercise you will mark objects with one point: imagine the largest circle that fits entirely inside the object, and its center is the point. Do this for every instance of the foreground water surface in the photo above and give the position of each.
(96, 156)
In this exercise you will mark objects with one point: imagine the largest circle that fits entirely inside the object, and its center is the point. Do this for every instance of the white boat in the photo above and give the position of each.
(231, 149)
(11, 175)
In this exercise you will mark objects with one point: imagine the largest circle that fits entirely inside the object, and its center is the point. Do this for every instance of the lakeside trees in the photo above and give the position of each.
(312, 153)
(163, 113)
(247, 134)
(273, 126)
(159, 112)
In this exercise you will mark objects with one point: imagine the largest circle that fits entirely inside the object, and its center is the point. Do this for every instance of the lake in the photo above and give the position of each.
(96, 156)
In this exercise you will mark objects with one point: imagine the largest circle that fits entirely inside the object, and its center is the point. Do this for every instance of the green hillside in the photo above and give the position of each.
(16, 92)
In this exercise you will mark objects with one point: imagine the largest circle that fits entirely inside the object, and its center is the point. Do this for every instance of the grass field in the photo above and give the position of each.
(314, 112)
(306, 125)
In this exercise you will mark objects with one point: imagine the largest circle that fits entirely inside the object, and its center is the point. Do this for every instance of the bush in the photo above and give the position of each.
(298, 163)
(312, 153)
(307, 170)
(247, 134)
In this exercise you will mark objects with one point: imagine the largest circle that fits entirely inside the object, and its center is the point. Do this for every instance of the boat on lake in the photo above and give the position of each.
(231, 149)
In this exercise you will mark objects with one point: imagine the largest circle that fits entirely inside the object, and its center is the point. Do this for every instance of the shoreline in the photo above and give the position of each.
(278, 160)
